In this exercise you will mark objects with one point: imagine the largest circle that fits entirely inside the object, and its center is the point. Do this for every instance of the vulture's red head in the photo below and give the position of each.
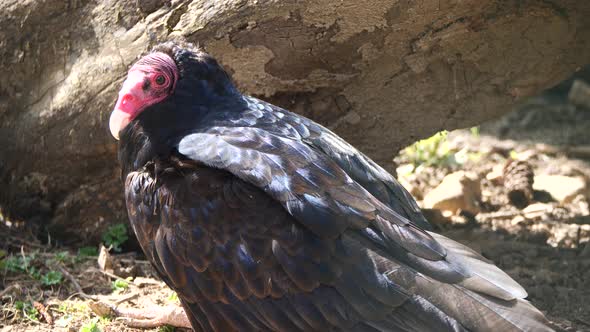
(173, 74)
(149, 81)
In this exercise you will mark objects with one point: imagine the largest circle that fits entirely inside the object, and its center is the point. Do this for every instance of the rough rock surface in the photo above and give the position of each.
(382, 73)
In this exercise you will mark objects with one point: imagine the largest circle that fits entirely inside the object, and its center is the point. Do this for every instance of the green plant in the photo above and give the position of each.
(120, 285)
(24, 264)
(85, 252)
(173, 297)
(72, 307)
(91, 326)
(64, 321)
(115, 236)
(13, 264)
(462, 156)
(432, 151)
(62, 257)
(18, 263)
(51, 278)
(35, 273)
(166, 328)
(28, 310)
(435, 151)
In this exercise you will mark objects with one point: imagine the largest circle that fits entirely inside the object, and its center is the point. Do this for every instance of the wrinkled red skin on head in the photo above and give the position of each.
(148, 82)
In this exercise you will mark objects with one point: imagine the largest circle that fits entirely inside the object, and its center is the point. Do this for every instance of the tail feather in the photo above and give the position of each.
(474, 311)
(418, 314)
(485, 277)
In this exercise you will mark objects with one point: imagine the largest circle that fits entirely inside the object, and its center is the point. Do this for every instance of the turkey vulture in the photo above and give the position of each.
(263, 220)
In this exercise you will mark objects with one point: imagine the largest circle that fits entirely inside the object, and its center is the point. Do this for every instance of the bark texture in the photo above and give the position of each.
(382, 73)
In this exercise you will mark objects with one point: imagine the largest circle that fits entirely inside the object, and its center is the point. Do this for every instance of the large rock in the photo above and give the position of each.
(381, 72)
(459, 191)
(563, 188)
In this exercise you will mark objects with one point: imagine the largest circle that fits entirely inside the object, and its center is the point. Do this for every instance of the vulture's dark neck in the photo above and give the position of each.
(135, 149)
(156, 132)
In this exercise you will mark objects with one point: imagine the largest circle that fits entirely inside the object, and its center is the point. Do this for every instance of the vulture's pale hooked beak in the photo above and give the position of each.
(131, 101)
(118, 121)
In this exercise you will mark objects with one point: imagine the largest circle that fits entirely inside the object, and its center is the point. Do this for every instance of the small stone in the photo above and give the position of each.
(497, 174)
(459, 220)
(579, 94)
(143, 282)
(487, 193)
(536, 210)
(582, 205)
(518, 220)
(448, 213)
(342, 103)
(527, 154)
(126, 271)
(404, 170)
(457, 191)
(417, 62)
(352, 118)
(101, 309)
(411, 188)
(435, 217)
(562, 188)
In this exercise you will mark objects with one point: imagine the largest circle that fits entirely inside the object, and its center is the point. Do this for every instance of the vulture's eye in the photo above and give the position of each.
(160, 80)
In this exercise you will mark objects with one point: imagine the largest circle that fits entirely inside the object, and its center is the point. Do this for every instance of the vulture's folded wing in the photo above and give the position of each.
(359, 167)
(323, 198)
(314, 185)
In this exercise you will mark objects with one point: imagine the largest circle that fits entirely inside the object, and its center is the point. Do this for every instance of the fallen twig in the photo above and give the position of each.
(74, 282)
(108, 274)
(510, 214)
(127, 298)
(499, 215)
(132, 261)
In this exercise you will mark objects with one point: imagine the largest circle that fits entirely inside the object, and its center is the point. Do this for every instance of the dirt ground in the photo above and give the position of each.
(546, 250)
(544, 246)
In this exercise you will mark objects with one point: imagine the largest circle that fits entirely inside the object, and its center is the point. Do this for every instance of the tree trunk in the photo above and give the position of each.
(381, 73)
